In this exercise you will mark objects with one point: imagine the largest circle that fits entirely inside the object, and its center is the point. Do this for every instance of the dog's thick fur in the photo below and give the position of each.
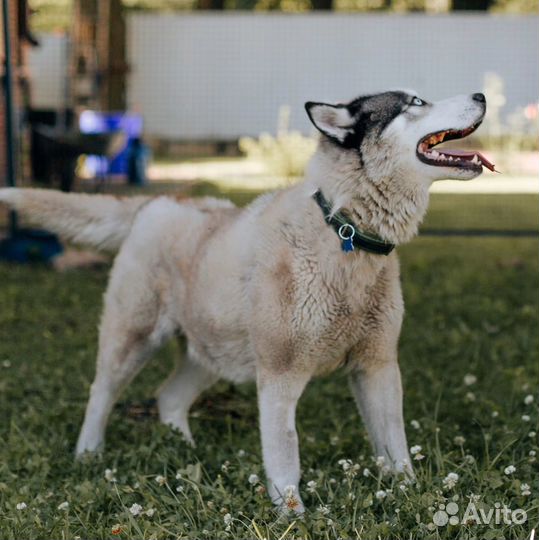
(266, 293)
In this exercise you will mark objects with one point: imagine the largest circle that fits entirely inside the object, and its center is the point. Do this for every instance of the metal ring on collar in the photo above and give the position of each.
(342, 230)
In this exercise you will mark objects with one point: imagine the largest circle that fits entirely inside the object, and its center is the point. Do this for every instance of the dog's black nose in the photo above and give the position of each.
(479, 97)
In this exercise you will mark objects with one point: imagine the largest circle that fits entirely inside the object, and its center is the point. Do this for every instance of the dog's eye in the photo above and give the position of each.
(418, 101)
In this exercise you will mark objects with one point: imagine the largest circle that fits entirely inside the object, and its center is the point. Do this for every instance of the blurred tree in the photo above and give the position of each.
(322, 4)
(471, 5)
(211, 4)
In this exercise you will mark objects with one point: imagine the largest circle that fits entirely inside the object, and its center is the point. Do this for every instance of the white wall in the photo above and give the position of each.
(221, 76)
(47, 65)
(204, 76)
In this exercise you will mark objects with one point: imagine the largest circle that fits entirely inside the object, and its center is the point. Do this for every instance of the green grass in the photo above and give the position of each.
(472, 308)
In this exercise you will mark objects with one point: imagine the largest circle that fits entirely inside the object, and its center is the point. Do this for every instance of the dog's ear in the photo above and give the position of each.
(334, 121)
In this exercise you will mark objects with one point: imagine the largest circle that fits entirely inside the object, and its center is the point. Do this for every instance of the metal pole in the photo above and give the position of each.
(10, 131)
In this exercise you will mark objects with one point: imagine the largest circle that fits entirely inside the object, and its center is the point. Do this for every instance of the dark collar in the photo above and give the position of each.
(351, 237)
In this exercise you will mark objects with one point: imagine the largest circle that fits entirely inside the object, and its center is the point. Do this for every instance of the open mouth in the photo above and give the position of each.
(459, 159)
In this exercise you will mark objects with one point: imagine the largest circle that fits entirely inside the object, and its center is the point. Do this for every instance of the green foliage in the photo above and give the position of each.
(51, 15)
(55, 15)
(286, 154)
(515, 6)
(472, 309)
(516, 131)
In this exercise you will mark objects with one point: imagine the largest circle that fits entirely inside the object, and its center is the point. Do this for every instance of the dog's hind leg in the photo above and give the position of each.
(132, 327)
(176, 395)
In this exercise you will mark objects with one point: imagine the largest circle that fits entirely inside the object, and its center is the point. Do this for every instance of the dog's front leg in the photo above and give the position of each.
(277, 398)
(378, 394)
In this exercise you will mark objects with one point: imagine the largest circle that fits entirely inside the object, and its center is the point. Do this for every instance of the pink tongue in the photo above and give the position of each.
(469, 156)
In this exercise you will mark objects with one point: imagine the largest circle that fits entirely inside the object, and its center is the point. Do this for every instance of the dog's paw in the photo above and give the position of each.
(85, 455)
(289, 502)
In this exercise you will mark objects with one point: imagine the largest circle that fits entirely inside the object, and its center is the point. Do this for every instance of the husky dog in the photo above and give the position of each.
(299, 283)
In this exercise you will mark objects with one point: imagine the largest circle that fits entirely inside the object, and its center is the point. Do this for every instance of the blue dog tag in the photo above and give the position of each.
(346, 233)
(347, 245)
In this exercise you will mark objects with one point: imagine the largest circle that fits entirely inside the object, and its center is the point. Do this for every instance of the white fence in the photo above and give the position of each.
(220, 76)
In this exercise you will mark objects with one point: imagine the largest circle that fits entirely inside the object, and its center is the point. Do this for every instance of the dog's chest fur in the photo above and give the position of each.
(332, 305)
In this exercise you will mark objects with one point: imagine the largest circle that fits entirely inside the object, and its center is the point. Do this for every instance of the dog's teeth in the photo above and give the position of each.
(475, 160)
(450, 158)
(435, 154)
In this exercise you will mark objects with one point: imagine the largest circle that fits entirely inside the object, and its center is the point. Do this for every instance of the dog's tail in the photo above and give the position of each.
(101, 221)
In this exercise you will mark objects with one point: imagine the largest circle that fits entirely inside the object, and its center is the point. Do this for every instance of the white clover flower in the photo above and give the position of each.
(525, 490)
(380, 461)
(224, 466)
(532, 434)
(351, 496)
(459, 440)
(253, 479)
(179, 475)
(469, 459)
(109, 475)
(289, 491)
(323, 509)
(366, 472)
(495, 414)
(161, 480)
(345, 464)
(525, 418)
(469, 379)
(416, 452)
(450, 481)
(509, 470)
(63, 506)
(415, 424)
(241, 453)
(180, 489)
(150, 512)
(311, 486)
(227, 518)
(380, 495)
(21, 506)
(6, 363)
(470, 396)
(532, 453)
(403, 487)
(135, 509)
(528, 400)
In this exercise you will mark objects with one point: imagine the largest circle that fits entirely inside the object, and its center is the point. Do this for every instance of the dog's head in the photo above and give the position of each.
(397, 131)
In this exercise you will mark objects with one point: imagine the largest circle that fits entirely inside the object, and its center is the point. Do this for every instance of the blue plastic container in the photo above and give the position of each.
(100, 122)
